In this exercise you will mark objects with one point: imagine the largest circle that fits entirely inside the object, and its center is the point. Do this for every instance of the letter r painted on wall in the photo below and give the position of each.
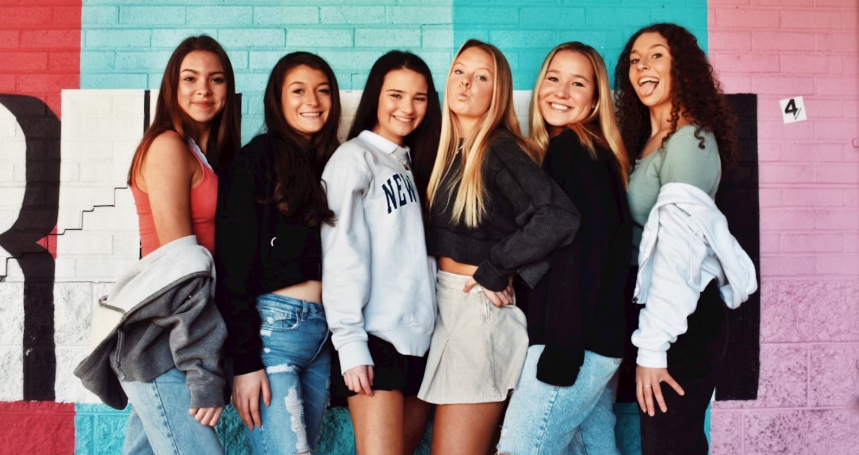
(33, 131)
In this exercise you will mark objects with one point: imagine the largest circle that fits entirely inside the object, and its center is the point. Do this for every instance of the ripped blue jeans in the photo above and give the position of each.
(297, 360)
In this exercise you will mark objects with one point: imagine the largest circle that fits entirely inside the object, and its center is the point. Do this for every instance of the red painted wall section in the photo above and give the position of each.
(39, 56)
(40, 47)
(37, 428)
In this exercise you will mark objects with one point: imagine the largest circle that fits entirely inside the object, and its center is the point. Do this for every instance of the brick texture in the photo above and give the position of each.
(127, 44)
(809, 223)
(526, 30)
(809, 171)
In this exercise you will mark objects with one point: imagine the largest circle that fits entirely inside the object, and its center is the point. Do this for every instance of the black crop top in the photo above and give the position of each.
(527, 217)
(257, 249)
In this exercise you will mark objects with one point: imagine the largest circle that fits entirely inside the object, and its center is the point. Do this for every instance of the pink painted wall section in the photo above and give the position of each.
(808, 400)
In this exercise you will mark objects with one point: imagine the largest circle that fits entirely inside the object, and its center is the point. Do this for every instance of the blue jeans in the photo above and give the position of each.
(543, 419)
(298, 364)
(159, 422)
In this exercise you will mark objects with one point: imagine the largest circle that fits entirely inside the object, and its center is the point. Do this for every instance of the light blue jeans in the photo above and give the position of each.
(298, 364)
(159, 422)
(543, 419)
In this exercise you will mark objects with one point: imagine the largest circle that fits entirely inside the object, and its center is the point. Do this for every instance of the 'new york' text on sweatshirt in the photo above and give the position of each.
(376, 276)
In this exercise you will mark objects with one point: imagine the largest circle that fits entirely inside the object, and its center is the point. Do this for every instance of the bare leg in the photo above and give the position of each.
(466, 429)
(378, 422)
(416, 413)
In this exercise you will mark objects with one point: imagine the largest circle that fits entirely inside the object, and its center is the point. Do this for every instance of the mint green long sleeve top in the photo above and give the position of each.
(680, 161)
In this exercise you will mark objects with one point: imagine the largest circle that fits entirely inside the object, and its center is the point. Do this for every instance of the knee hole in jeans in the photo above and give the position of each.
(295, 407)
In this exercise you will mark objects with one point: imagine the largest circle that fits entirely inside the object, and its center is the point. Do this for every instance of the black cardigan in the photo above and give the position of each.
(578, 305)
(257, 249)
(527, 217)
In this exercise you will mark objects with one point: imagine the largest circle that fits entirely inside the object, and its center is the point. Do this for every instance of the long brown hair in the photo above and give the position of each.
(169, 116)
(600, 125)
(299, 162)
(470, 203)
(695, 94)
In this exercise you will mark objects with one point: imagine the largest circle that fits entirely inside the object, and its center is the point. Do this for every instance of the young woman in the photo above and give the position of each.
(175, 188)
(677, 126)
(494, 214)
(576, 323)
(269, 258)
(377, 278)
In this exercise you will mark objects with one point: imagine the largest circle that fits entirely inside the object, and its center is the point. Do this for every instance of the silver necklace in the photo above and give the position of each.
(399, 160)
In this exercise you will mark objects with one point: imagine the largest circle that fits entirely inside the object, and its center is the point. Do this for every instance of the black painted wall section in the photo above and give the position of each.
(738, 199)
(37, 219)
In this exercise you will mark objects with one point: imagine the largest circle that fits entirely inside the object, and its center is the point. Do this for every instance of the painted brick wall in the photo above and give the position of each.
(525, 30)
(39, 56)
(809, 190)
(775, 48)
(126, 44)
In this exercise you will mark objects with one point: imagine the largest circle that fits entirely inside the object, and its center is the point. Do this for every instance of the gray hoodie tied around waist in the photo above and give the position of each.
(159, 315)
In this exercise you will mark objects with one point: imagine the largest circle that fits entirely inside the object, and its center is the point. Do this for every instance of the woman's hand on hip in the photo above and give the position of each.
(360, 379)
(246, 394)
(207, 416)
(647, 382)
(500, 299)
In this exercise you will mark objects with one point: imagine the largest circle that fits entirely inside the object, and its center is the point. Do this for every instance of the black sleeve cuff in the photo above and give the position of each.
(247, 362)
(487, 278)
(558, 367)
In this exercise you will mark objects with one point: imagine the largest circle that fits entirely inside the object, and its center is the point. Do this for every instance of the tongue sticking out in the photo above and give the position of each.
(647, 88)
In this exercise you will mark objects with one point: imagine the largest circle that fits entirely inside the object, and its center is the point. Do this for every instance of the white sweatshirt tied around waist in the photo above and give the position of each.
(376, 275)
(685, 245)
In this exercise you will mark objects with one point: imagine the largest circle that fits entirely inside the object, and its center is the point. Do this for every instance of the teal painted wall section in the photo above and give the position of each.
(526, 30)
(126, 43)
(100, 430)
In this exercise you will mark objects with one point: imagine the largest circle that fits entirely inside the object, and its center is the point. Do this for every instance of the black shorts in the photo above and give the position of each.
(392, 371)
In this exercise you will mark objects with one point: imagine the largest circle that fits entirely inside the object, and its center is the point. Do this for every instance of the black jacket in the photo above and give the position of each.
(527, 217)
(578, 305)
(257, 249)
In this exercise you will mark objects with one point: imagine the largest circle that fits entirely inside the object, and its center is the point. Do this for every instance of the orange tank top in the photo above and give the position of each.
(204, 200)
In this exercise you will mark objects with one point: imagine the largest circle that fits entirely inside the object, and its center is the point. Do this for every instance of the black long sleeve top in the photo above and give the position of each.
(257, 249)
(578, 305)
(527, 217)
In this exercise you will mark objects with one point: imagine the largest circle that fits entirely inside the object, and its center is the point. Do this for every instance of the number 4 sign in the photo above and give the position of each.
(793, 110)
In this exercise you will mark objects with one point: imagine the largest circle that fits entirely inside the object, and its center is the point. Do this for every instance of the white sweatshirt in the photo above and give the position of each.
(685, 245)
(376, 275)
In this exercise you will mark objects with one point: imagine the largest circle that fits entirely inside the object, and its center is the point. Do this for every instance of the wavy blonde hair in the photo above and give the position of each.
(600, 125)
(470, 203)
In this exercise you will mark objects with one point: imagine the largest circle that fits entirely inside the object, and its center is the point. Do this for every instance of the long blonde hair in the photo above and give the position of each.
(470, 202)
(600, 125)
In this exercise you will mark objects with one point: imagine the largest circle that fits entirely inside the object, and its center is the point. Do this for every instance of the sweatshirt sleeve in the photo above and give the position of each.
(545, 216)
(670, 297)
(236, 259)
(197, 334)
(346, 256)
(575, 277)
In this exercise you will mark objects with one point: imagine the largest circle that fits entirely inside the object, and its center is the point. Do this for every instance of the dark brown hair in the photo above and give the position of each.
(695, 94)
(225, 135)
(299, 162)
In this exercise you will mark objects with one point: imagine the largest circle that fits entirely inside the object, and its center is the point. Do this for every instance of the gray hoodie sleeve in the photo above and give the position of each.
(197, 334)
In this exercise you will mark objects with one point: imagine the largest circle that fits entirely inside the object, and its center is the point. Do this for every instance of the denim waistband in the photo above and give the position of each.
(283, 303)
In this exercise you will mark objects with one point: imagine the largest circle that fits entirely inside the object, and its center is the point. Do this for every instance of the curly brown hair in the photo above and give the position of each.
(695, 93)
